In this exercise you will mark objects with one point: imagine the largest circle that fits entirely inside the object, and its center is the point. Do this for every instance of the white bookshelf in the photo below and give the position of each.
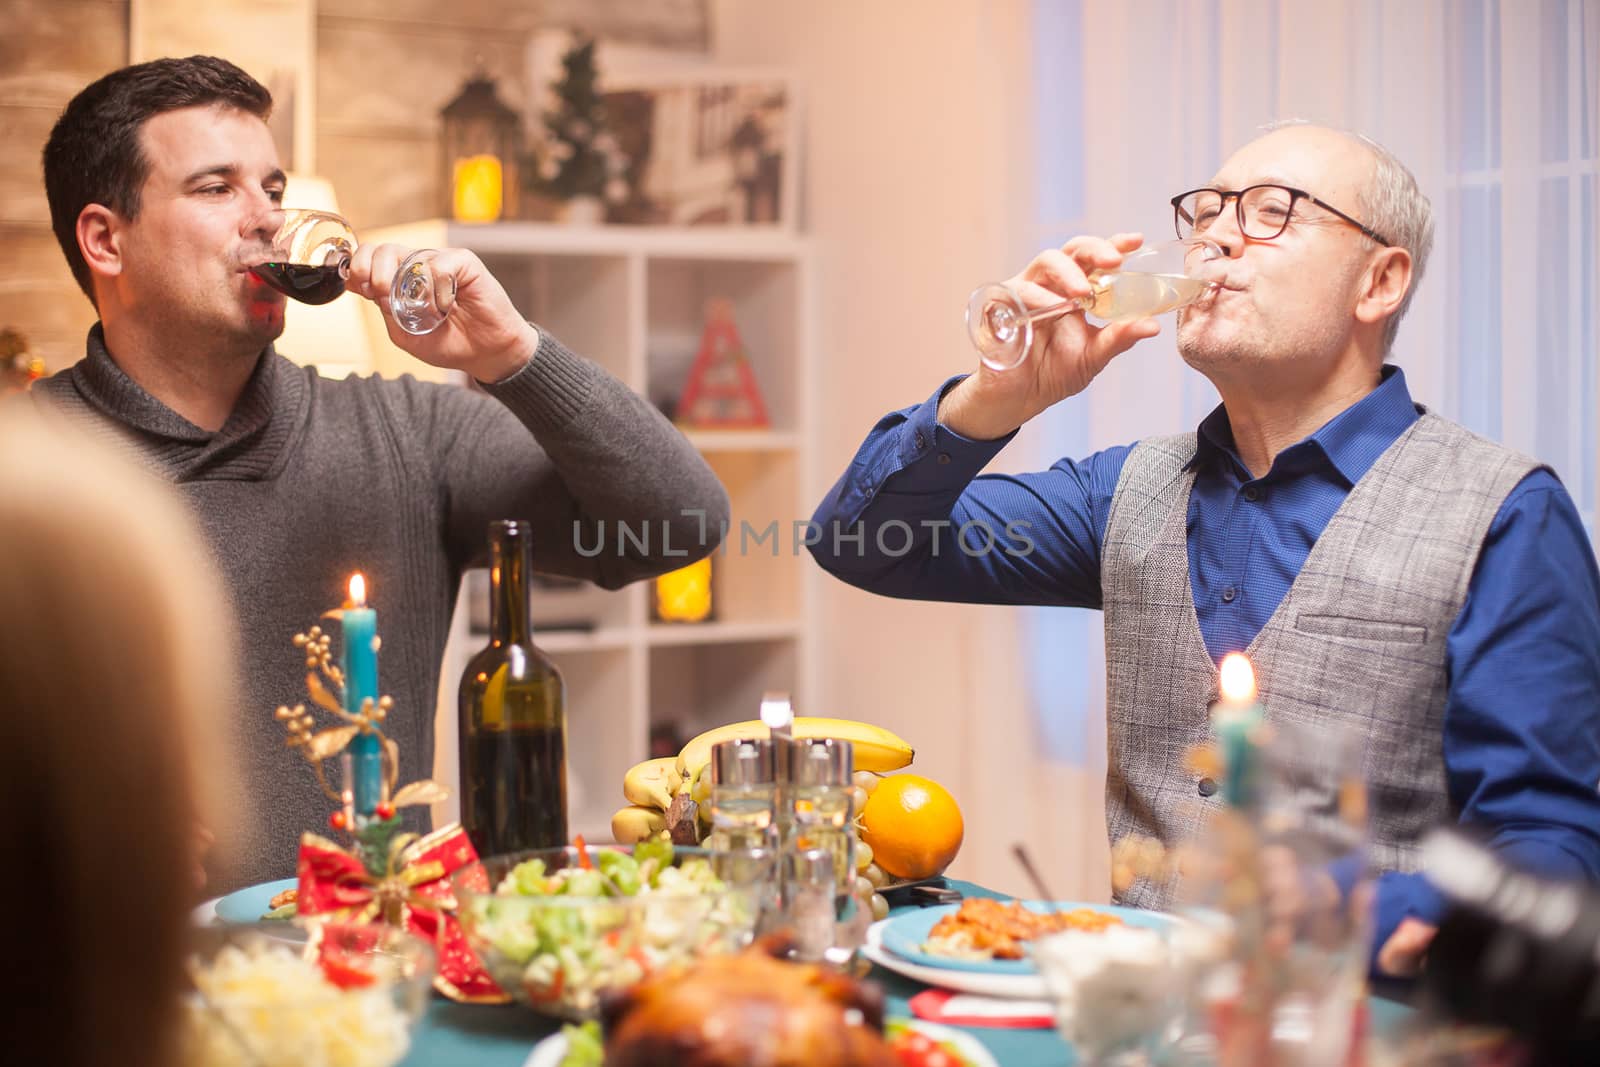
(632, 299)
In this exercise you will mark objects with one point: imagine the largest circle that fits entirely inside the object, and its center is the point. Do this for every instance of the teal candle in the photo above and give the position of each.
(1235, 723)
(360, 684)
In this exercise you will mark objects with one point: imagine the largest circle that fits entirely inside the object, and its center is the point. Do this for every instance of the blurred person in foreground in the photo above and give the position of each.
(114, 647)
(165, 188)
(1384, 569)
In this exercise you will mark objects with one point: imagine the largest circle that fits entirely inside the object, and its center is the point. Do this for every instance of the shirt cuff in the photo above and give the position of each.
(1399, 897)
(550, 389)
(932, 457)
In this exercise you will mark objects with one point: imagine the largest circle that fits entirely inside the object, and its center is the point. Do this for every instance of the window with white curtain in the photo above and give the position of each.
(1492, 104)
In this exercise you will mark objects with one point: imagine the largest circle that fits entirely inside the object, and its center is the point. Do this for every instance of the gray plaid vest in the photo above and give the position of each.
(1359, 638)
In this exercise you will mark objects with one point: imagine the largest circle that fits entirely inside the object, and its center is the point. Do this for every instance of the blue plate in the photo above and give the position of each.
(249, 904)
(904, 935)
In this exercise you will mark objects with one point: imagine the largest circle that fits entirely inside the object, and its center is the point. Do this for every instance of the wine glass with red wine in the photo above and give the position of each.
(310, 260)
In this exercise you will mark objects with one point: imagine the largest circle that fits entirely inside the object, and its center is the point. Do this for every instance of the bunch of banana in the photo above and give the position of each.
(650, 787)
(876, 749)
(669, 793)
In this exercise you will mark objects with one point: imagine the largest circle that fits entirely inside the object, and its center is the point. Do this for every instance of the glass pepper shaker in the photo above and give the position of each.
(822, 805)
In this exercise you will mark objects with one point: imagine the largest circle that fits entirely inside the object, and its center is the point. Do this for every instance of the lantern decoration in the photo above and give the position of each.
(482, 140)
(684, 595)
(579, 160)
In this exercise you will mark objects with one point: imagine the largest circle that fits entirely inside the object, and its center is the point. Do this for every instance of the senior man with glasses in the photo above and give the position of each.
(1387, 571)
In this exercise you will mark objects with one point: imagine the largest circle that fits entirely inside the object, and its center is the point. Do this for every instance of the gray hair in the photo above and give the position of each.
(1391, 204)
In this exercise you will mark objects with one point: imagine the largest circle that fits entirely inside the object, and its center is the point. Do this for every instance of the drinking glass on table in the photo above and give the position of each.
(1116, 992)
(1282, 882)
(310, 259)
(1150, 281)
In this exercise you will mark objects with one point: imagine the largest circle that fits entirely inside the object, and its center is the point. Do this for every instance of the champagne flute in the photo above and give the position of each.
(309, 261)
(1150, 281)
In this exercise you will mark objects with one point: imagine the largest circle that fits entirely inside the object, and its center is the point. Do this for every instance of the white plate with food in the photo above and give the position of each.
(1010, 986)
(992, 936)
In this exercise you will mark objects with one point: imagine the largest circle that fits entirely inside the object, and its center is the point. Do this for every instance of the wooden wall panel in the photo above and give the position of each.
(49, 49)
(23, 130)
(52, 48)
(659, 23)
(39, 297)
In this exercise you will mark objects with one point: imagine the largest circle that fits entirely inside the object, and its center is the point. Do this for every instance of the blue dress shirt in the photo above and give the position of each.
(911, 518)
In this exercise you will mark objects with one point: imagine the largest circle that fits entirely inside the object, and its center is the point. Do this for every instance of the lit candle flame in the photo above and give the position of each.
(358, 591)
(1238, 679)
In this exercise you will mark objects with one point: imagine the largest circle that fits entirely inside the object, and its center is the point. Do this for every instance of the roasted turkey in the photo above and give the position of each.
(747, 1010)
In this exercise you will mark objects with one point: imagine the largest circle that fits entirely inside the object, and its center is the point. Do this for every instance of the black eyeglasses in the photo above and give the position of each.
(1264, 211)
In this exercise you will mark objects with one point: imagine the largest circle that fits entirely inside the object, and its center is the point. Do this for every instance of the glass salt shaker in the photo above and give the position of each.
(743, 841)
(818, 781)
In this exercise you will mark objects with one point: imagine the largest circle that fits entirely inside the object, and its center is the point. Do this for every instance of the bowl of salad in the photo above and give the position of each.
(558, 927)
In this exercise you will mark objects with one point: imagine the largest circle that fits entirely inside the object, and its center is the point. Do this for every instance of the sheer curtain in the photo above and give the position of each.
(1492, 103)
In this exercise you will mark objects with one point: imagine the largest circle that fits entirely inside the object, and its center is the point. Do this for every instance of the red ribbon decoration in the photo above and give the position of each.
(415, 894)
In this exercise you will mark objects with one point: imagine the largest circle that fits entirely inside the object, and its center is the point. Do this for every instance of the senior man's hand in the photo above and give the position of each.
(1403, 954)
(1067, 352)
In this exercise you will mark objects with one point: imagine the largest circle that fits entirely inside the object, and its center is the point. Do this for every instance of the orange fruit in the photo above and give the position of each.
(913, 825)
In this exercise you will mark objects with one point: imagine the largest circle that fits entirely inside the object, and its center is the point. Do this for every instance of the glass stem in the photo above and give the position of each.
(1051, 312)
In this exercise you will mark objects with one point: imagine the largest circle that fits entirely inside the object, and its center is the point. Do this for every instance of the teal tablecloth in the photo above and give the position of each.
(480, 1036)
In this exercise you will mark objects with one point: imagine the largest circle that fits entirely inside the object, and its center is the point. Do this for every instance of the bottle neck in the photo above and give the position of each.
(510, 571)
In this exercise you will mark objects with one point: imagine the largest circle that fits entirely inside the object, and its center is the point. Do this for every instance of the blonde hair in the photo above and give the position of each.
(114, 643)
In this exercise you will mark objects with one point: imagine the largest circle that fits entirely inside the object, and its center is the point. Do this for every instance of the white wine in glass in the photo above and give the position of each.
(1151, 281)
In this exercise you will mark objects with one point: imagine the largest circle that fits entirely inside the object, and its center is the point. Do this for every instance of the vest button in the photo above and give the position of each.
(1228, 594)
(1208, 787)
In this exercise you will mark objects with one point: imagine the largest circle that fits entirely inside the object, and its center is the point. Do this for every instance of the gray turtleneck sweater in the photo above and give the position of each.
(311, 480)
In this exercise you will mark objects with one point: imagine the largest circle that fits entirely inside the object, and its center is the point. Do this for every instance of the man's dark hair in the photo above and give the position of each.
(95, 156)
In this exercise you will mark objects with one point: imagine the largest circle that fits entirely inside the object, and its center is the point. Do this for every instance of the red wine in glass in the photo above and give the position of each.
(310, 258)
(307, 284)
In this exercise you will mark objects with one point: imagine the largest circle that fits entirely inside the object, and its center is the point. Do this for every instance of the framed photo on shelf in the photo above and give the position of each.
(705, 147)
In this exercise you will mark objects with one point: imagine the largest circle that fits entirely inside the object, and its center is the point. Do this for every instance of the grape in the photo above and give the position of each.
(880, 906)
(859, 796)
(876, 875)
(864, 888)
(867, 781)
(863, 855)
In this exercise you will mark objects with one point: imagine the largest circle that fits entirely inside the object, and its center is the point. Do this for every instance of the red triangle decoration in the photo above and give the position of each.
(721, 392)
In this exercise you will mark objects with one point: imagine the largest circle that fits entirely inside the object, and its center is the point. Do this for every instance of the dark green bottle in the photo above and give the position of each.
(513, 717)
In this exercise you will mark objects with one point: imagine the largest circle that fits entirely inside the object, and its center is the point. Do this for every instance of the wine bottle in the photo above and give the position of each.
(513, 717)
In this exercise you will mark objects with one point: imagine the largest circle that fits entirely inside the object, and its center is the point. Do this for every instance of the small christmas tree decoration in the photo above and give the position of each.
(722, 391)
(580, 157)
